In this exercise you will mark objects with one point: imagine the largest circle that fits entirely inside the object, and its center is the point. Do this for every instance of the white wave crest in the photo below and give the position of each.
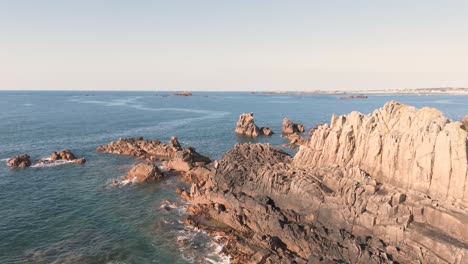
(47, 162)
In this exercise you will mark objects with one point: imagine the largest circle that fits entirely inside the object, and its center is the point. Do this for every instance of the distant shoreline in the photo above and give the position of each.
(420, 91)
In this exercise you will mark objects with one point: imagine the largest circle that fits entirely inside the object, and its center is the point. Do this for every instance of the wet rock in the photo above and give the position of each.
(290, 127)
(20, 161)
(66, 155)
(144, 172)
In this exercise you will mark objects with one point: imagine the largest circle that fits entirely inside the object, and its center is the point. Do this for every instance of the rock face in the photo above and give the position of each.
(246, 126)
(360, 191)
(464, 121)
(144, 172)
(174, 156)
(20, 161)
(66, 155)
(417, 149)
(289, 127)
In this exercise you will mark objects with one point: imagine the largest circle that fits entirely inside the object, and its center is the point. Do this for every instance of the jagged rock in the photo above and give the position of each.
(174, 157)
(464, 122)
(289, 127)
(296, 140)
(144, 172)
(20, 161)
(411, 148)
(246, 125)
(335, 201)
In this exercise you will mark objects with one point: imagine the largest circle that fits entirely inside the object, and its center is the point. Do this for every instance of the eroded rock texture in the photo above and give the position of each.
(465, 122)
(361, 191)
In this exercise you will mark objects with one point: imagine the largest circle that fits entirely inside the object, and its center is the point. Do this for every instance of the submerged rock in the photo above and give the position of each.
(289, 127)
(144, 172)
(389, 187)
(20, 161)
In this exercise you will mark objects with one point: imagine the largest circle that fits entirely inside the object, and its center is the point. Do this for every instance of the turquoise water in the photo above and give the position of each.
(71, 214)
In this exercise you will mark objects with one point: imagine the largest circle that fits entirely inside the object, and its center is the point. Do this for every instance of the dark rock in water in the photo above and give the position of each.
(246, 126)
(290, 127)
(266, 131)
(144, 172)
(183, 94)
(389, 187)
(20, 161)
(353, 97)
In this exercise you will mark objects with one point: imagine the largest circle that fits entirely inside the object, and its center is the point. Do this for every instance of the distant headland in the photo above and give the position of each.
(422, 91)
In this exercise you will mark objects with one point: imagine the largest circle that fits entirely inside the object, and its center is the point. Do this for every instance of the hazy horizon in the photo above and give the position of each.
(232, 46)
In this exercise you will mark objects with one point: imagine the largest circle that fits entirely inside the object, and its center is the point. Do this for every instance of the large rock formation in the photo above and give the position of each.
(417, 149)
(246, 126)
(144, 172)
(174, 156)
(361, 191)
(20, 161)
(289, 127)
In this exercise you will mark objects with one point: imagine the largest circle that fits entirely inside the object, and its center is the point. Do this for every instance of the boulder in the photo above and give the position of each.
(144, 172)
(20, 161)
(290, 127)
(266, 131)
(246, 125)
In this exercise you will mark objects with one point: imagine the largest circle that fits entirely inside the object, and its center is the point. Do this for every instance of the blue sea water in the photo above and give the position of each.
(72, 214)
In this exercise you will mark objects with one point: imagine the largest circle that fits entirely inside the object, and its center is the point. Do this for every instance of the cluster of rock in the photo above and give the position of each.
(24, 160)
(388, 187)
(464, 122)
(20, 161)
(246, 126)
(66, 155)
(172, 155)
(292, 131)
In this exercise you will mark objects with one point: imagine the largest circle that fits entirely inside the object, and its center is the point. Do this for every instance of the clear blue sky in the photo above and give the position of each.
(232, 45)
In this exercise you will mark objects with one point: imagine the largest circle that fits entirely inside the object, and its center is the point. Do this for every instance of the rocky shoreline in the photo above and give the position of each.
(387, 187)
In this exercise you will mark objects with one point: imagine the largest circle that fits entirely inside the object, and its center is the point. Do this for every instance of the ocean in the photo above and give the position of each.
(69, 213)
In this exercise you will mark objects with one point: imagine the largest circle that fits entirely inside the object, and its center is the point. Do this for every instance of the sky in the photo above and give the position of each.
(241, 45)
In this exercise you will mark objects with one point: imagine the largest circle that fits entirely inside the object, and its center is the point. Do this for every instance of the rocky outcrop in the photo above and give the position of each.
(464, 122)
(246, 126)
(20, 161)
(417, 149)
(289, 127)
(355, 193)
(144, 172)
(66, 155)
(172, 154)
